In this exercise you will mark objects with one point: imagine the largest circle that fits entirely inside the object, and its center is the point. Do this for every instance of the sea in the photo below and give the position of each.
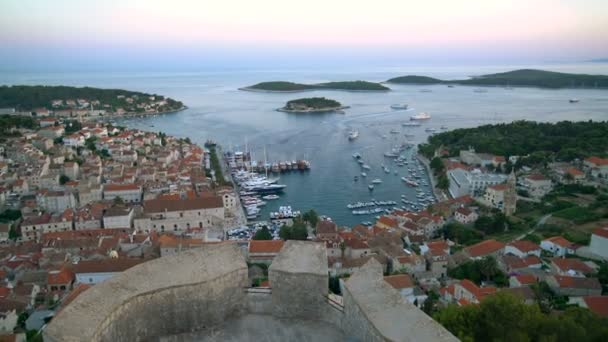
(240, 120)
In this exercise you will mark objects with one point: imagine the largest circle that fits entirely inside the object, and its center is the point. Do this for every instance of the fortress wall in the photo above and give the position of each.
(169, 295)
(299, 280)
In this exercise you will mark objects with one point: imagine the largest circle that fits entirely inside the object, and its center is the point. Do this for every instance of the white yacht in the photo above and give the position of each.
(354, 134)
(421, 116)
(377, 181)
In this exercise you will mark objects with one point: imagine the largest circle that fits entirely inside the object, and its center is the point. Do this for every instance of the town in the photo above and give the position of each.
(84, 201)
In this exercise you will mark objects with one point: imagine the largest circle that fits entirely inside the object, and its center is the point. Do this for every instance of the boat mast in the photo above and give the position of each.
(265, 162)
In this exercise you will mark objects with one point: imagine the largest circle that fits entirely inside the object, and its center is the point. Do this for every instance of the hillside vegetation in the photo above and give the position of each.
(312, 103)
(292, 87)
(522, 77)
(564, 140)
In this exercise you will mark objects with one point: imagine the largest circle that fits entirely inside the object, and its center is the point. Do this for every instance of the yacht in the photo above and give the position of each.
(394, 131)
(574, 100)
(387, 170)
(354, 134)
(430, 130)
(411, 124)
(421, 116)
(363, 174)
(270, 197)
(357, 155)
(365, 166)
(370, 187)
(399, 106)
(377, 181)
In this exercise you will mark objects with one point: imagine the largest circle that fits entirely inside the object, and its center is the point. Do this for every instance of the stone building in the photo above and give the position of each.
(178, 215)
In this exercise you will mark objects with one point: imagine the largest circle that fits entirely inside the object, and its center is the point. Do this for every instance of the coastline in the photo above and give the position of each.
(135, 114)
(319, 110)
(474, 85)
(254, 90)
(439, 194)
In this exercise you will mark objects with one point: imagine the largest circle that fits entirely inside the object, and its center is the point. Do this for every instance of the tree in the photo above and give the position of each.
(12, 233)
(437, 165)
(63, 179)
(429, 305)
(297, 231)
(263, 234)
(118, 201)
(311, 217)
(443, 182)
(488, 267)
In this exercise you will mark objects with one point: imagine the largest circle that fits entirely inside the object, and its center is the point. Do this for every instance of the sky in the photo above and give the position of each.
(191, 34)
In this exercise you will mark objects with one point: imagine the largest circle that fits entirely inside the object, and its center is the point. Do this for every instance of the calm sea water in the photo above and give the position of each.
(219, 111)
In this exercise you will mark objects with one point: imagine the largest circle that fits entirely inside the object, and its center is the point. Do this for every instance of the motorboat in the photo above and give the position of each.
(370, 187)
(271, 197)
(421, 116)
(411, 124)
(574, 100)
(363, 174)
(402, 106)
(354, 134)
(377, 181)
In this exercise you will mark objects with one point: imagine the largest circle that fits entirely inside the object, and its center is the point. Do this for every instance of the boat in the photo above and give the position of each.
(480, 90)
(391, 154)
(399, 106)
(420, 116)
(363, 174)
(574, 100)
(386, 170)
(444, 127)
(430, 130)
(357, 155)
(365, 166)
(450, 86)
(271, 197)
(411, 124)
(354, 134)
(377, 181)
(394, 131)
(370, 187)
(426, 90)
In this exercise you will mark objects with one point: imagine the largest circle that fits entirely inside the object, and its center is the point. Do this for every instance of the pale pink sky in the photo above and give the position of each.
(558, 29)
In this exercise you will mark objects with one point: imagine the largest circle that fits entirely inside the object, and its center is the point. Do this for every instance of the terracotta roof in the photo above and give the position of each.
(60, 277)
(536, 177)
(515, 262)
(483, 248)
(525, 279)
(597, 304)
(478, 292)
(160, 205)
(326, 227)
(399, 281)
(575, 172)
(577, 282)
(265, 246)
(499, 187)
(107, 265)
(120, 187)
(464, 211)
(603, 232)
(560, 240)
(597, 161)
(4, 291)
(571, 264)
(524, 245)
(356, 244)
(388, 221)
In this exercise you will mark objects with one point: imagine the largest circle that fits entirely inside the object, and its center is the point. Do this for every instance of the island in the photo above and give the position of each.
(312, 105)
(286, 87)
(522, 78)
(82, 101)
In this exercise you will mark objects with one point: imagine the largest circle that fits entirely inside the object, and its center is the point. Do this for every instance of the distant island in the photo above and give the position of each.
(85, 101)
(522, 77)
(283, 86)
(312, 105)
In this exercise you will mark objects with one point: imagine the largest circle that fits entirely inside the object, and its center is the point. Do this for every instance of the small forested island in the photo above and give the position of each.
(283, 86)
(73, 101)
(312, 105)
(540, 142)
(522, 77)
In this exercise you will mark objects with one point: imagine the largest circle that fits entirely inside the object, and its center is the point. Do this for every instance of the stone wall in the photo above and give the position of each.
(190, 291)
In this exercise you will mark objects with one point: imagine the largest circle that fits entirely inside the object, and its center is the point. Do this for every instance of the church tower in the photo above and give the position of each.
(510, 199)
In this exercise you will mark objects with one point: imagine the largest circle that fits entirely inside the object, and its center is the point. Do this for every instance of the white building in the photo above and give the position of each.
(129, 193)
(74, 140)
(465, 215)
(180, 215)
(598, 167)
(463, 182)
(537, 185)
(56, 201)
(599, 242)
(557, 245)
(522, 248)
(118, 217)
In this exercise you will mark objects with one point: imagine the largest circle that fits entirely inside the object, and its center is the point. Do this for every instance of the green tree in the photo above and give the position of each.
(443, 182)
(263, 234)
(63, 179)
(488, 267)
(430, 304)
(118, 201)
(12, 233)
(297, 231)
(437, 165)
(311, 217)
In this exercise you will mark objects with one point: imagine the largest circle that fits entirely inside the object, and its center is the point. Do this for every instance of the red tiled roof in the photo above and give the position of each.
(575, 172)
(571, 264)
(478, 292)
(577, 282)
(4, 292)
(484, 248)
(499, 187)
(388, 221)
(526, 279)
(597, 304)
(464, 211)
(524, 245)
(120, 187)
(515, 262)
(60, 277)
(603, 232)
(265, 246)
(160, 205)
(536, 177)
(560, 240)
(326, 227)
(399, 281)
(597, 161)
(107, 265)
